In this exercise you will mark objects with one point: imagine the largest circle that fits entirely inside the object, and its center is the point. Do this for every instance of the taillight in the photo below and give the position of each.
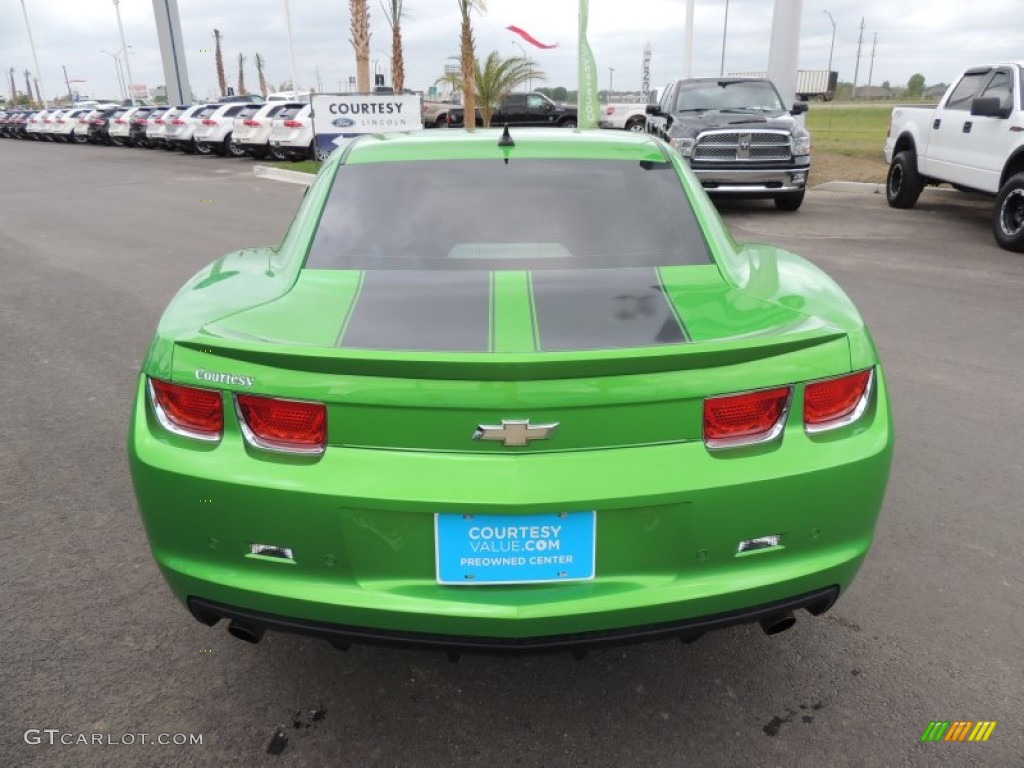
(209, 122)
(159, 122)
(609, 110)
(283, 425)
(834, 403)
(177, 122)
(141, 121)
(97, 122)
(292, 124)
(251, 122)
(745, 419)
(188, 411)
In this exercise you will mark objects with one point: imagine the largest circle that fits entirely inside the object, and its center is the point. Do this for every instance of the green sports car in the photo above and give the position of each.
(509, 392)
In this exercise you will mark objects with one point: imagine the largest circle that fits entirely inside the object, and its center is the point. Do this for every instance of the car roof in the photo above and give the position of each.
(537, 143)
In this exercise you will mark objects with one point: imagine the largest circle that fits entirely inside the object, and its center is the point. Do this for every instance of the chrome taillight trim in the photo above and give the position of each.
(176, 429)
(255, 441)
(852, 416)
(718, 444)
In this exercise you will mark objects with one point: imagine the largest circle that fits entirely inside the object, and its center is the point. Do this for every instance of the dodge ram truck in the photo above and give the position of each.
(974, 140)
(738, 137)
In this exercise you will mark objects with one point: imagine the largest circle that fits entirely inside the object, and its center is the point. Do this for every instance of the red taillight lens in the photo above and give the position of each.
(159, 122)
(609, 110)
(177, 122)
(284, 425)
(209, 122)
(292, 124)
(753, 417)
(251, 122)
(188, 410)
(835, 402)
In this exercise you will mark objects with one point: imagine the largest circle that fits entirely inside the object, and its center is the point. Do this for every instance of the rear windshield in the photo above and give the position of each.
(206, 111)
(250, 111)
(288, 113)
(527, 214)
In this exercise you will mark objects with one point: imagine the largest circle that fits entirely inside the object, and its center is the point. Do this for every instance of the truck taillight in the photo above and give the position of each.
(745, 419)
(283, 425)
(188, 411)
(609, 110)
(834, 403)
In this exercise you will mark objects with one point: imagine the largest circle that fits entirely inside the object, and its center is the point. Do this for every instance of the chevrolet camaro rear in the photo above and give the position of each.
(511, 394)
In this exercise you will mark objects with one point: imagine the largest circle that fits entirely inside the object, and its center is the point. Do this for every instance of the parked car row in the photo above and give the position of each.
(278, 129)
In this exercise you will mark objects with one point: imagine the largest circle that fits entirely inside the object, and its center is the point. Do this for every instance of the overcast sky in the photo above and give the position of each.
(937, 38)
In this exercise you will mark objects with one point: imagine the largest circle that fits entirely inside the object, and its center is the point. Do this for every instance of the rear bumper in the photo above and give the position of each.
(360, 524)
(816, 603)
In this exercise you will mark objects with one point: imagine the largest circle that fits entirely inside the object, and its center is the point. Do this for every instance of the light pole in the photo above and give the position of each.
(529, 62)
(117, 69)
(291, 48)
(35, 58)
(832, 47)
(725, 30)
(124, 47)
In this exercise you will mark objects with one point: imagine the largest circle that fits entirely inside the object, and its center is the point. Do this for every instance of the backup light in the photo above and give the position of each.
(187, 411)
(275, 424)
(834, 403)
(272, 550)
(761, 542)
(745, 419)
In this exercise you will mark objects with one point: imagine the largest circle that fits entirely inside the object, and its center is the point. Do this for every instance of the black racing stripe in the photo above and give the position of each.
(603, 309)
(418, 310)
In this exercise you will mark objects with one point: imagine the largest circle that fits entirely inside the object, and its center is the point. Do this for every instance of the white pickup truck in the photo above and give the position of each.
(628, 116)
(973, 140)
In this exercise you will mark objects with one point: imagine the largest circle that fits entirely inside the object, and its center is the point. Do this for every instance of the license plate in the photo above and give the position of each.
(514, 549)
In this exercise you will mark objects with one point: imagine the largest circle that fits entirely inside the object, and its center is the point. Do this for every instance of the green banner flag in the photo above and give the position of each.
(588, 105)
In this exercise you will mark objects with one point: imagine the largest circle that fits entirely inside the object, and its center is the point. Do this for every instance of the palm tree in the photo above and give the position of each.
(241, 75)
(260, 62)
(361, 42)
(222, 81)
(393, 13)
(467, 57)
(496, 80)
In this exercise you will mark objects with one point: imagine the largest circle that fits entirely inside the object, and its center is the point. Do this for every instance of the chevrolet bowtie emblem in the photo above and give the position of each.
(514, 432)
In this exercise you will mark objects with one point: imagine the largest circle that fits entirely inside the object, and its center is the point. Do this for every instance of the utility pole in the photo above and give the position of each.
(14, 88)
(71, 97)
(871, 69)
(688, 67)
(725, 30)
(28, 84)
(856, 69)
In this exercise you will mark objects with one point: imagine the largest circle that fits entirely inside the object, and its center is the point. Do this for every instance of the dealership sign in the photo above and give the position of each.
(339, 117)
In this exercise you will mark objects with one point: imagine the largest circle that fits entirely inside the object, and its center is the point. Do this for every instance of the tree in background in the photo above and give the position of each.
(915, 86)
(241, 75)
(222, 81)
(361, 42)
(260, 62)
(467, 58)
(495, 80)
(393, 13)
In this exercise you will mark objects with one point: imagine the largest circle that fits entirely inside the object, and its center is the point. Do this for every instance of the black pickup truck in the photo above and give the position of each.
(738, 137)
(522, 109)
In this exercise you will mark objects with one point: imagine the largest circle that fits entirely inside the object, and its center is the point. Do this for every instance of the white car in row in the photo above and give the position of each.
(253, 126)
(291, 133)
(213, 129)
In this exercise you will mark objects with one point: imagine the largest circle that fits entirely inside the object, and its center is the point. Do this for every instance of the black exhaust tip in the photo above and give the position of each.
(250, 633)
(780, 622)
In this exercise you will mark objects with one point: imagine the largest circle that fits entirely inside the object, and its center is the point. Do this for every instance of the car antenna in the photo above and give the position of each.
(506, 139)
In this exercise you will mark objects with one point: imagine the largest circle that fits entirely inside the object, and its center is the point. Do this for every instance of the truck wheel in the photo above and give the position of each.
(570, 123)
(904, 184)
(441, 121)
(791, 201)
(636, 125)
(1008, 220)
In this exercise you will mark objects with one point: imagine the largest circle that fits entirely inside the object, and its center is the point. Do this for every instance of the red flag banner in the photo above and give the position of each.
(529, 38)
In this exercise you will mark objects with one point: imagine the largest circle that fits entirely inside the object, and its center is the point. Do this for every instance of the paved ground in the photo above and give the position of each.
(94, 241)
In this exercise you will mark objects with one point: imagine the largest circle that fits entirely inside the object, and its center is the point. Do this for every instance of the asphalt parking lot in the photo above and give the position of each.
(93, 243)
